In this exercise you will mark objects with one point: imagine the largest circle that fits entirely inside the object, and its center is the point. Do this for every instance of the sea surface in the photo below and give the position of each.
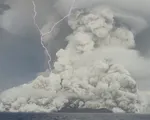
(73, 116)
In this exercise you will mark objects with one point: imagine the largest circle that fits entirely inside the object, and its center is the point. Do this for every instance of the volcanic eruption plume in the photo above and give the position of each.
(86, 73)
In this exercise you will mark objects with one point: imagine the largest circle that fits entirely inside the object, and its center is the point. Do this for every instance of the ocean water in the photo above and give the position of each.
(73, 116)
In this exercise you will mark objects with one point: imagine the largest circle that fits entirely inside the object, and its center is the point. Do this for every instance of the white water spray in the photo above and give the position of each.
(49, 32)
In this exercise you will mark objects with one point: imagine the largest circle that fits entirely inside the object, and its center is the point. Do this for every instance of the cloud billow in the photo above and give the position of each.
(86, 73)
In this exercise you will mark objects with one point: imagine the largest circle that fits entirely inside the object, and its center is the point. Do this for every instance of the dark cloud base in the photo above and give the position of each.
(143, 41)
(3, 7)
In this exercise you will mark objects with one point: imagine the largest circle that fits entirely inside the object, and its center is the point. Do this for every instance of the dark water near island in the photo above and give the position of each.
(72, 116)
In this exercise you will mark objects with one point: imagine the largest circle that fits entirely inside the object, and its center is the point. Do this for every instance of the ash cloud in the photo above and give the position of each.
(78, 82)
(110, 46)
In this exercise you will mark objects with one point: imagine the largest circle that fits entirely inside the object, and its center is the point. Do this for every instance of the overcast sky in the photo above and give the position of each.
(21, 54)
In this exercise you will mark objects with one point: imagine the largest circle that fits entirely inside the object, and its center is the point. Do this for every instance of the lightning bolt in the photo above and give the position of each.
(50, 31)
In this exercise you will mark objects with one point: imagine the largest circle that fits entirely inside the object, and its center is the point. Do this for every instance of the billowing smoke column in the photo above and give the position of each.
(78, 80)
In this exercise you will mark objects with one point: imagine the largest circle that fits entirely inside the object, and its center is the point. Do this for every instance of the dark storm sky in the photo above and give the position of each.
(21, 56)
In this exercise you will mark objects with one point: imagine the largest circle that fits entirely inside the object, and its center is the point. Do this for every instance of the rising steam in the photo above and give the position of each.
(87, 73)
